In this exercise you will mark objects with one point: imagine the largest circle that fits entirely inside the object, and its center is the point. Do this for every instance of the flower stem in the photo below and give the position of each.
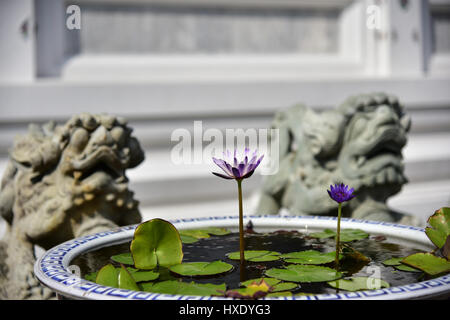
(338, 234)
(241, 223)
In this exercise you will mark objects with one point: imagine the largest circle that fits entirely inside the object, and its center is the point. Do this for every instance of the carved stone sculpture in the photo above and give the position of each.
(359, 143)
(63, 182)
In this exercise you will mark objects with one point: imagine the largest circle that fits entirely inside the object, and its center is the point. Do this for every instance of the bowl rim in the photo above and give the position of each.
(52, 268)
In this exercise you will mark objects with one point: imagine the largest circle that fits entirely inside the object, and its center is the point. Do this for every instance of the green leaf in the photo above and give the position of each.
(269, 281)
(216, 231)
(359, 283)
(255, 255)
(397, 264)
(201, 268)
(184, 288)
(124, 258)
(156, 243)
(140, 276)
(404, 267)
(195, 233)
(393, 261)
(284, 286)
(428, 263)
(126, 281)
(347, 235)
(440, 227)
(188, 239)
(327, 233)
(108, 276)
(310, 257)
(304, 273)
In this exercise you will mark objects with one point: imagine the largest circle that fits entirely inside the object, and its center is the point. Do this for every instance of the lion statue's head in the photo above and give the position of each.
(65, 181)
(359, 143)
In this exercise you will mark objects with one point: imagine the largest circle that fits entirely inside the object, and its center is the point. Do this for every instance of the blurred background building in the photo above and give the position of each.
(164, 64)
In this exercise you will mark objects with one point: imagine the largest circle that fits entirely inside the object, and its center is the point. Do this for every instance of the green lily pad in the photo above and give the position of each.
(404, 267)
(126, 281)
(216, 231)
(184, 288)
(397, 264)
(156, 243)
(124, 258)
(347, 235)
(188, 239)
(108, 276)
(201, 268)
(255, 255)
(358, 283)
(304, 273)
(284, 286)
(275, 284)
(269, 281)
(428, 263)
(310, 257)
(326, 233)
(393, 261)
(440, 227)
(140, 276)
(195, 233)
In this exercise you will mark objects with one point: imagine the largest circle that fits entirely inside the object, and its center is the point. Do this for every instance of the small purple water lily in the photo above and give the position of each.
(236, 169)
(340, 193)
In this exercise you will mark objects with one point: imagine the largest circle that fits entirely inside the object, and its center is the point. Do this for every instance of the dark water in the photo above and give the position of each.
(216, 248)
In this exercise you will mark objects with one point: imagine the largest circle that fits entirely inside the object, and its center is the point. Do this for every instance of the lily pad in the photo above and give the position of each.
(397, 264)
(126, 281)
(194, 233)
(275, 284)
(124, 258)
(216, 231)
(304, 273)
(184, 288)
(310, 257)
(108, 276)
(201, 268)
(358, 283)
(255, 255)
(440, 227)
(393, 261)
(269, 281)
(140, 276)
(188, 239)
(156, 243)
(347, 235)
(428, 263)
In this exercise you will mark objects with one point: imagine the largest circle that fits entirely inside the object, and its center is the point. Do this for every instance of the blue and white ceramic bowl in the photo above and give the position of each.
(54, 271)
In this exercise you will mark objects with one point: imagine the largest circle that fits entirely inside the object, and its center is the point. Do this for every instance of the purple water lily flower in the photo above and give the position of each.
(236, 169)
(340, 193)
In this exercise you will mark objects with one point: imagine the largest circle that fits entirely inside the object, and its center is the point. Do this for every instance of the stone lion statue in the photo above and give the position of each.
(359, 143)
(63, 182)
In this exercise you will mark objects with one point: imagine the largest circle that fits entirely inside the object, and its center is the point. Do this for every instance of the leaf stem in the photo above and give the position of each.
(241, 223)
(338, 234)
